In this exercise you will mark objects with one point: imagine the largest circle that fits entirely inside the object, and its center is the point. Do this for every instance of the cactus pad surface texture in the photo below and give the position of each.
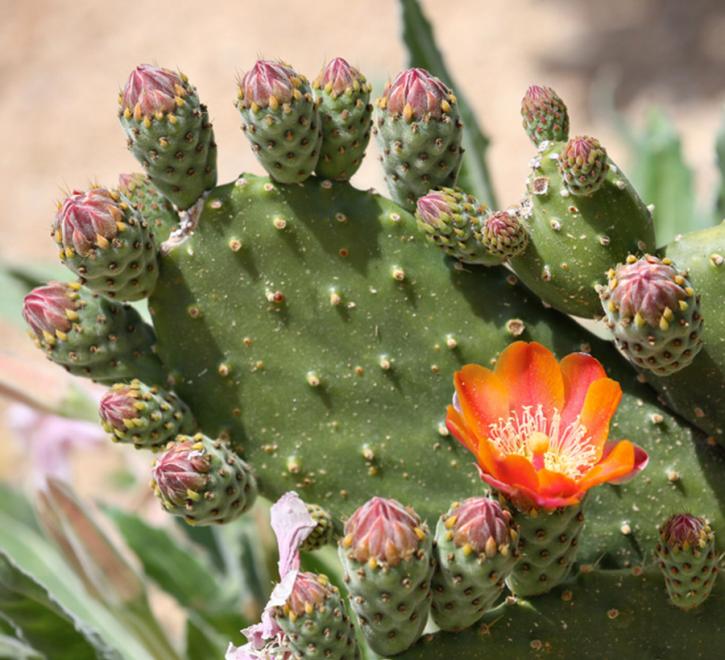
(310, 332)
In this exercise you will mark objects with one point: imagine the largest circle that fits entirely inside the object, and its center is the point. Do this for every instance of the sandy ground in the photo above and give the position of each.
(62, 63)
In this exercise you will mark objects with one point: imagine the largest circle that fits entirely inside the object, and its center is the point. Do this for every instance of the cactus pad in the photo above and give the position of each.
(281, 121)
(92, 336)
(419, 132)
(169, 133)
(203, 480)
(343, 97)
(476, 549)
(654, 314)
(143, 415)
(574, 241)
(150, 204)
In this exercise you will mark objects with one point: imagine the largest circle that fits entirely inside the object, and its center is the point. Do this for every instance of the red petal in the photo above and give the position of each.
(619, 463)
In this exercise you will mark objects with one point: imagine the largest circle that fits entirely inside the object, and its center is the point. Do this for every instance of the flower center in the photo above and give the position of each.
(544, 442)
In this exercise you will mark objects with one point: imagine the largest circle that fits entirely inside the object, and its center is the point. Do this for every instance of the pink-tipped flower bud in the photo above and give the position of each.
(151, 90)
(383, 530)
(309, 591)
(583, 165)
(481, 523)
(416, 94)
(434, 208)
(181, 470)
(267, 84)
(683, 530)
(339, 76)
(545, 115)
(50, 309)
(118, 405)
(87, 219)
(647, 290)
(504, 235)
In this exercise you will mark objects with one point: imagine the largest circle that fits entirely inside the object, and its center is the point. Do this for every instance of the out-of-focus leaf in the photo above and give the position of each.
(16, 506)
(33, 555)
(423, 52)
(43, 622)
(102, 567)
(661, 176)
(720, 151)
(204, 537)
(13, 649)
(204, 641)
(176, 570)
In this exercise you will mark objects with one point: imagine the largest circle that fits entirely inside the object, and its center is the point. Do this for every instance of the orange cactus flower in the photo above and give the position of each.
(539, 428)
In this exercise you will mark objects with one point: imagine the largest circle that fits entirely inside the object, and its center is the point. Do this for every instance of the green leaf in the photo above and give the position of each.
(423, 52)
(41, 621)
(662, 178)
(203, 641)
(176, 570)
(14, 649)
(720, 151)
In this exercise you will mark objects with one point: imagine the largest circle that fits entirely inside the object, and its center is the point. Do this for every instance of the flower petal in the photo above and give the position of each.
(482, 396)
(527, 498)
(641, 460)
(555, 484)
(617, 464)
(532, 375)
(600, 404)
(579, 371)
(292, 524)
(481, 448)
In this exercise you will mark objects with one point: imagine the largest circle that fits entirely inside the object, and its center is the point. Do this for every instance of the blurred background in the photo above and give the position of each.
(647, 78)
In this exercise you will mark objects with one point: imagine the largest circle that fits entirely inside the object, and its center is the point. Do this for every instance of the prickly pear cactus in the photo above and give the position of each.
(312, 331)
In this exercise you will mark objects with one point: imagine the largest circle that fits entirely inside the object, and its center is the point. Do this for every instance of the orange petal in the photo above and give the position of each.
(483, 397)
(617, 464)
(479, 447)
(579, 371)
(532, 375)
(518, 472)
(600, 404)
(555, 484)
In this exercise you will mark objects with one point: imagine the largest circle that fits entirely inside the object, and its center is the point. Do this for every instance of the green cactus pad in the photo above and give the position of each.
(574, 241)
(324, 532)
(548, 543)
(215, 486)
(453, 221)
(345, 119)
(698, 391)
(602, 614)
(320, 631)
(107, 341)
(350, 366)
(176, 149)
(286, 137)
(418, 154)
(690, 565)
(391, 602)
(123, 268)
(467, 583)
(151, 205)
(145, 416)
